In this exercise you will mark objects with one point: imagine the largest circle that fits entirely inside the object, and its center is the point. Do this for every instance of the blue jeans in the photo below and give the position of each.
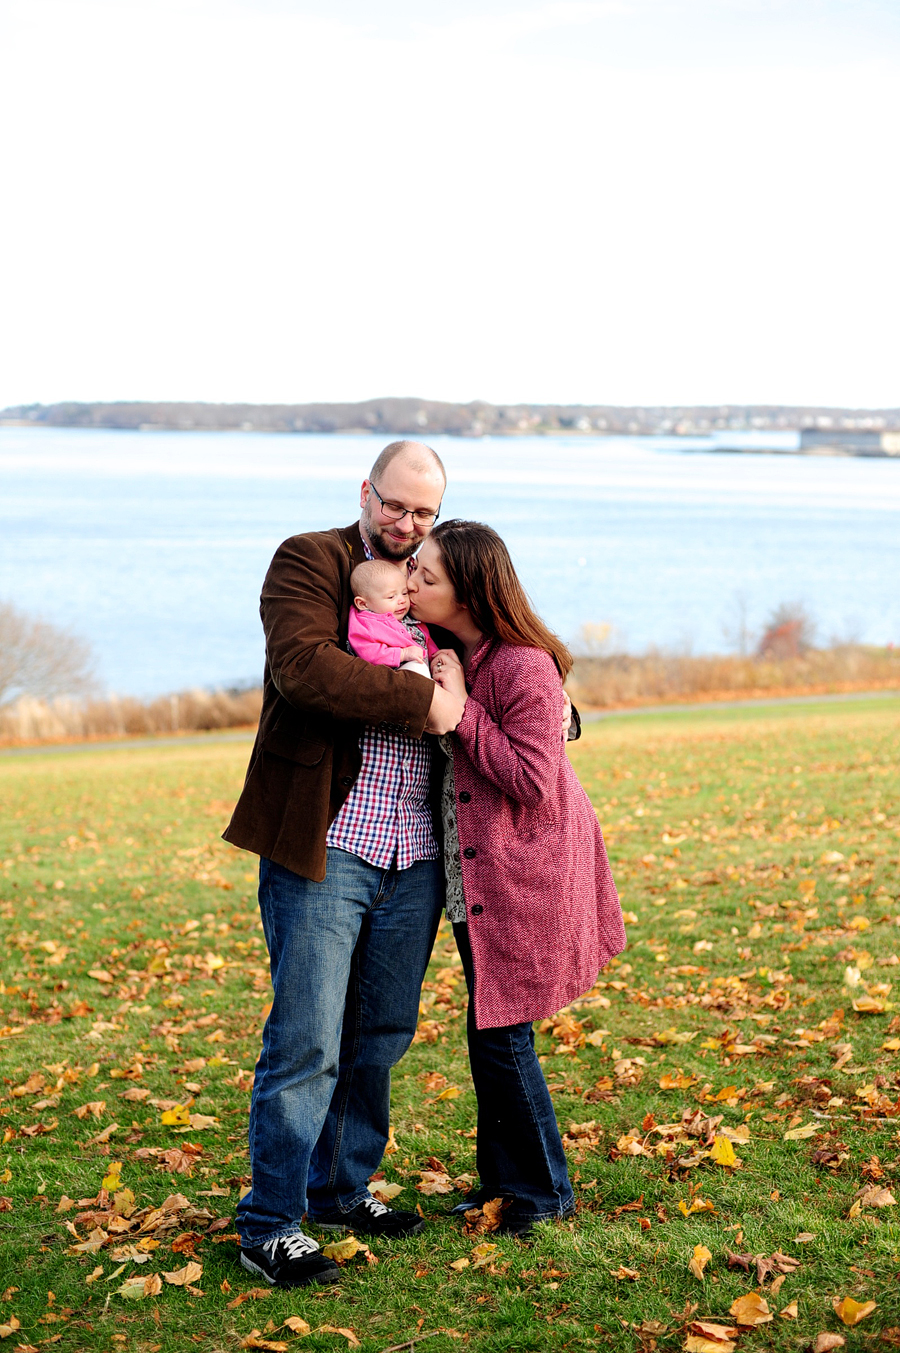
(519, 1154)
(347, 957)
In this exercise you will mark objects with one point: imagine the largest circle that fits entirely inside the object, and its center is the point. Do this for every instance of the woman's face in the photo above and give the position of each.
(431, 596)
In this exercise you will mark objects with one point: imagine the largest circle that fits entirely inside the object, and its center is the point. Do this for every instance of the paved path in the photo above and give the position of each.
(590, 716)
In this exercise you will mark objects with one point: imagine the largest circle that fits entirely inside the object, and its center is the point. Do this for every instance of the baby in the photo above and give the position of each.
(377, 630)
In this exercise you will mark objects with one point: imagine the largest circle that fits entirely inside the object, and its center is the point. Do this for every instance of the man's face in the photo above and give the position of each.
(400, 484)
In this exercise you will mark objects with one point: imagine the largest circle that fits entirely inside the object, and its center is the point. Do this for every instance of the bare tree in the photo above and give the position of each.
(789, 632)
(40, 659)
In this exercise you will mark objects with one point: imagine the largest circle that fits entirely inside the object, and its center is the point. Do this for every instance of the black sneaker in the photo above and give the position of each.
(289, 1261)
(372, 1218)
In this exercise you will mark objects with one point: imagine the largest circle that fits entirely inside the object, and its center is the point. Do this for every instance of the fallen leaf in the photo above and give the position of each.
(750, 1310)
(384, 1191)
(342, 1250)
(9, 1328)
(722, 1152)
(800, 1134)
(459, 1264)
(699, 1260)
(137, 1288)
(631, 1274)
(255, 1340)
(851, 1312)
(179, 1116)
(297, 1324)
(182, 1276)
(789, 1312)
(696, 1205)
(252, 1294)
(111, 1180)
(451, 1092)
(348, 1334)
(434, 1181)
(826, 1341)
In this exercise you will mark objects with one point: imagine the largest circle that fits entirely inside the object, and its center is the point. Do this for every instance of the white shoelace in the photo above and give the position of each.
(295, 1246)
(372, 1205)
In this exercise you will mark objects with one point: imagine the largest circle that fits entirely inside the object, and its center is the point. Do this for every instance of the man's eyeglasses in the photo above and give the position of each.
(396, 511)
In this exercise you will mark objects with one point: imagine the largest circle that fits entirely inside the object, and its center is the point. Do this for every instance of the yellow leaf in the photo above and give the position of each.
(823, 1343)
(179, 1115)
(213, 961)
(97, 1273)
(800, 1134)
(384, 1191)
(631, 1274)
(891, 1045)
(699, 1260)
(459, 1264)
(871, 1005)
(750, 1310)
(112, 1180)
(789, 1312)
(9, 1328)
(255, 1340)
(722, 1152)
(451, 1092)
(850, 1312)
(696, 1205)
(342, 1250)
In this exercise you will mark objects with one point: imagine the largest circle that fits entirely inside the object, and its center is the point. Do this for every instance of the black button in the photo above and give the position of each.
(477, 909)
(347, 781)
(465, 797)
(469, 852)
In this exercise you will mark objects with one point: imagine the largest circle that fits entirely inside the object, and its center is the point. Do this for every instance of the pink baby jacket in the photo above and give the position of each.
(381, 638)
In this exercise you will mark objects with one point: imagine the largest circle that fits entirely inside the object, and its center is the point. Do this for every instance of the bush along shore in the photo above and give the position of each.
(614, 681)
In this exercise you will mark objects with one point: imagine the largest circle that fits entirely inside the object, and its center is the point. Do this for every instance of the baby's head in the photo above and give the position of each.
(380, 587)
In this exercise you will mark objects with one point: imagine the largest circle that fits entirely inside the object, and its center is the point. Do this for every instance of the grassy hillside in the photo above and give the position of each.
(730, 1084)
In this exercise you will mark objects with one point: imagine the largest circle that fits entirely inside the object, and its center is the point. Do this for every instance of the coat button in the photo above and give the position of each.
(477, 909)
(469, 852)
(465, 797)
(347, 781)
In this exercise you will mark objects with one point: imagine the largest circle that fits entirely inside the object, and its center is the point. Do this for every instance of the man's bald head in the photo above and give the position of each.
(416, 455)
(410, 479)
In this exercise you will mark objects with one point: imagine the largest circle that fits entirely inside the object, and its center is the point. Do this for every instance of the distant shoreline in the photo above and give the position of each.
(820, 431)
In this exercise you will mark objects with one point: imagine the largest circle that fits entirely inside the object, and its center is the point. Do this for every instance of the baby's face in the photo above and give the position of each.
(389, 598)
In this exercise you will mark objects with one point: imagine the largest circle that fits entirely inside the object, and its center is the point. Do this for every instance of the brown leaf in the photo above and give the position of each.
(789, 1312)
(631, 1274)
(824, 1342)
(252, 1294)
(352, 1341)
(297, 1324)
(696, 1343)
(255, 1340)
(434, 1181)
(182, 1276)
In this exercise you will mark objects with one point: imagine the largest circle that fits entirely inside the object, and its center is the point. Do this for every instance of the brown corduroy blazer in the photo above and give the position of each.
(317, 699)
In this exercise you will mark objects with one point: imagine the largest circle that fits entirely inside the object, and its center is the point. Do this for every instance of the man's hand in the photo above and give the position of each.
(412, 653)
(445, 712)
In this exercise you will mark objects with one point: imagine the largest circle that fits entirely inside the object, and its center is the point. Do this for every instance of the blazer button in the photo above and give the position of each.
(465, 797)
(477, 909)
(469, 852)
(347, 781)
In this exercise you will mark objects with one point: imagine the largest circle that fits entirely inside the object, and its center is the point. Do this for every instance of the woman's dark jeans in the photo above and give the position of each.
(518, 1150)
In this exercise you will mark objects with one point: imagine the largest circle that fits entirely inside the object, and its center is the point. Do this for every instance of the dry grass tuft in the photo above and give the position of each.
(61, 720)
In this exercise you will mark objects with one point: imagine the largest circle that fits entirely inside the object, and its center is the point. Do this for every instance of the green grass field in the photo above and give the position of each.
(731, 1083)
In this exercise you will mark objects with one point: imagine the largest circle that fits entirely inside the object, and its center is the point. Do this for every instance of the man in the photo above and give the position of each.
(335, 803)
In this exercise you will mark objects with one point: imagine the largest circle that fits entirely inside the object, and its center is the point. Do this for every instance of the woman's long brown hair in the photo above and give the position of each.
(481, 571)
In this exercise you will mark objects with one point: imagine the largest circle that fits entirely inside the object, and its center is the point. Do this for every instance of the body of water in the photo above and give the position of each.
(153, 545)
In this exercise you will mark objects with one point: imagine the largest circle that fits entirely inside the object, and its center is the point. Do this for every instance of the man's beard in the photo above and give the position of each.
(388, 549)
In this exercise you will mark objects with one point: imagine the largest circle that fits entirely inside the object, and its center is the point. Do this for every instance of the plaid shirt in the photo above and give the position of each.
(386, 817)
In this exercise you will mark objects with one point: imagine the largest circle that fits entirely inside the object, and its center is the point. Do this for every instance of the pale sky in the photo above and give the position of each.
(600, 201)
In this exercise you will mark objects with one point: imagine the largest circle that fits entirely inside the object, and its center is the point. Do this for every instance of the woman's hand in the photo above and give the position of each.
(447, 671)
(567, 716)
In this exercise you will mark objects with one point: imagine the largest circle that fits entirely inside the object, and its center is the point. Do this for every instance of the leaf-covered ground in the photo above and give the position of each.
(730, 1090)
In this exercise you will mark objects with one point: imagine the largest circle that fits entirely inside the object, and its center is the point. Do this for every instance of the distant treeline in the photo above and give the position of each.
(422, 417)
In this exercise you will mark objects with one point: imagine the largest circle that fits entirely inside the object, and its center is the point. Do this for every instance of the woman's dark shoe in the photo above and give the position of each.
(289, 1261)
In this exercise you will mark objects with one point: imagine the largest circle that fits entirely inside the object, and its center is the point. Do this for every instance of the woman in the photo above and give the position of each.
(529, 890)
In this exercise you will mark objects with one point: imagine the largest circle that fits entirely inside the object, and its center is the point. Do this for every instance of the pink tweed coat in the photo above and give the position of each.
(542, 909)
